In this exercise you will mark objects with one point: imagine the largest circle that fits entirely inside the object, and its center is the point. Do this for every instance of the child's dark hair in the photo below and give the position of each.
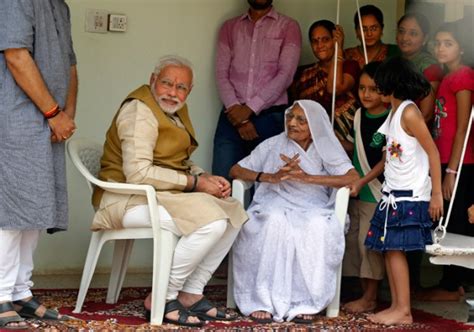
(366, 11)
(398, 76)
(458, 29)
(328, 25)
(371, 68)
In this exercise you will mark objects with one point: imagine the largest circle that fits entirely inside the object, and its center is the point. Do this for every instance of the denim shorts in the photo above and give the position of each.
(408, 227)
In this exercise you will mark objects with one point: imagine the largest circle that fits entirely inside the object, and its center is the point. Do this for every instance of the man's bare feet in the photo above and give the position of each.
(360, 305)
(439, 294)
(393, 317)
(261, 316)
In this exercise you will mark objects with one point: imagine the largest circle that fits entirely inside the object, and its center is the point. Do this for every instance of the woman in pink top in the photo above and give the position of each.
(452, 113)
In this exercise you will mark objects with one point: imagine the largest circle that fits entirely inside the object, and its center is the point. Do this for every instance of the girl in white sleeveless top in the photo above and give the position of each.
(411, 198)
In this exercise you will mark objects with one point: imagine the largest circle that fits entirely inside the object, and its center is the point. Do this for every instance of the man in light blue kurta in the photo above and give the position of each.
(38, 88)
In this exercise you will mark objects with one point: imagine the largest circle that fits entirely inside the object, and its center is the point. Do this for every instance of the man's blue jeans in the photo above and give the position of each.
(230, 148)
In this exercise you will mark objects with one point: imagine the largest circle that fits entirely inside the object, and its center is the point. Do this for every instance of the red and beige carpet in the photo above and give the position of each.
(128, 315)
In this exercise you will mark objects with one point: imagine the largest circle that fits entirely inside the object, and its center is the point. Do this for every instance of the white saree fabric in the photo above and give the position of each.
(285, 257)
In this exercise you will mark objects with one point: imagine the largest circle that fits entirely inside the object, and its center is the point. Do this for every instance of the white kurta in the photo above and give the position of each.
(286, 255)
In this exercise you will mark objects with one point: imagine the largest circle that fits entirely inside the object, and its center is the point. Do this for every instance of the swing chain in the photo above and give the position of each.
(439, 233)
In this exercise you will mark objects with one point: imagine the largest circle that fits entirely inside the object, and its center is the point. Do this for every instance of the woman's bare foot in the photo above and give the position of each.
(261, 316)
(360, 305)
(395, 317)
(439, 294)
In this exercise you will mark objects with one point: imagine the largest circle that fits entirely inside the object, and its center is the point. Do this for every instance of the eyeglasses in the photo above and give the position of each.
(372, 28)
(301, 120)
(168, 84)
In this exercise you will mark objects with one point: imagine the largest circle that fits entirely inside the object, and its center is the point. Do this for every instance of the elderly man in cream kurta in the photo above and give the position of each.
(149, 142)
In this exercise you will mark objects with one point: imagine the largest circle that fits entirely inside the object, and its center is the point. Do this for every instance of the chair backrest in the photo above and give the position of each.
(85, 154)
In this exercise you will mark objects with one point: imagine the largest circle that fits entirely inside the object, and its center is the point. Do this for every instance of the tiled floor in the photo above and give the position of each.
(451, 310)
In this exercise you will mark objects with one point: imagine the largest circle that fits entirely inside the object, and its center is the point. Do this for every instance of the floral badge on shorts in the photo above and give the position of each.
(395, 150)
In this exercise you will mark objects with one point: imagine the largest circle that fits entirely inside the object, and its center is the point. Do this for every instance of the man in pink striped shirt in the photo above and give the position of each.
(257, 55)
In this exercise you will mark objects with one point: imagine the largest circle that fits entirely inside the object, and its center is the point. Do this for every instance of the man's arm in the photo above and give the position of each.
(137, 129)
(28, 77)
(223, 61)
(288, 61)
(70, 107)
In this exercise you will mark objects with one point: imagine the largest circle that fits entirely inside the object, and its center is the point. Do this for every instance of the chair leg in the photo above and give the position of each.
(122, 251)
(163, 249)
(230, 282)
(333, 308)
(95, 246)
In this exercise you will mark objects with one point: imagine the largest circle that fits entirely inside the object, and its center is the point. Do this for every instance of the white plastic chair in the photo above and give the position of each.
(241, 192)
(85, 155)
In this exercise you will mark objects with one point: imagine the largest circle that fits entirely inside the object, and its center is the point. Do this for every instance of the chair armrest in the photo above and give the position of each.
(239, 187)
(126, 188)
(342, 203)
(136, 189)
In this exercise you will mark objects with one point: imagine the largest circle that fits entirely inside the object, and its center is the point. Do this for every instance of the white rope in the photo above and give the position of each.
(443, 224)
(385, 203)
(362, 33)
(333, 108)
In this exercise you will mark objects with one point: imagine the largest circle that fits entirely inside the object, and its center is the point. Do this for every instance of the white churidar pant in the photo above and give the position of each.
(16, 263)
(196, 256)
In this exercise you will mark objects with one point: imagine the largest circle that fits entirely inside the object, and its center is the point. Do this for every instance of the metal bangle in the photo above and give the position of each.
(193, 188)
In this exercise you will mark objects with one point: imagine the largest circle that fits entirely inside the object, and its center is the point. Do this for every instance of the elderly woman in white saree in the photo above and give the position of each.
(286, 255)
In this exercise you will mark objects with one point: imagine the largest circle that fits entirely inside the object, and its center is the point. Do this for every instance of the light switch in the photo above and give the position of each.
(96, 20)
(117, 22)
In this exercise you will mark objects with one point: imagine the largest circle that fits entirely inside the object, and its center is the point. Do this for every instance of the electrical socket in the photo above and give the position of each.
(96, 20)
(117, 22)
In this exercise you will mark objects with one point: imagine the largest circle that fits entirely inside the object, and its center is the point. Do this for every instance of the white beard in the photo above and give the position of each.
(170, 110)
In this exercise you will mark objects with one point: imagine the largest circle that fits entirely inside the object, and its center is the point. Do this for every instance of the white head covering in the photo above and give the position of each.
(322, 133)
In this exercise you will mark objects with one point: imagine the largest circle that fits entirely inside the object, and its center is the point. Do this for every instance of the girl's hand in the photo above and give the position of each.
(436, 206)
(338, 36)
(448, 185)
(355, 188)
(470, 213)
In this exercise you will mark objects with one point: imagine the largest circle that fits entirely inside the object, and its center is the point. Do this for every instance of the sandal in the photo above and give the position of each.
(261, 320)
(29, 308)
(4, 321)
(301, 320)
(183, 314)
(201, 307)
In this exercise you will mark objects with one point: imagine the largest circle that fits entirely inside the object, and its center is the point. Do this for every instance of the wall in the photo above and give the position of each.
(110, 65)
